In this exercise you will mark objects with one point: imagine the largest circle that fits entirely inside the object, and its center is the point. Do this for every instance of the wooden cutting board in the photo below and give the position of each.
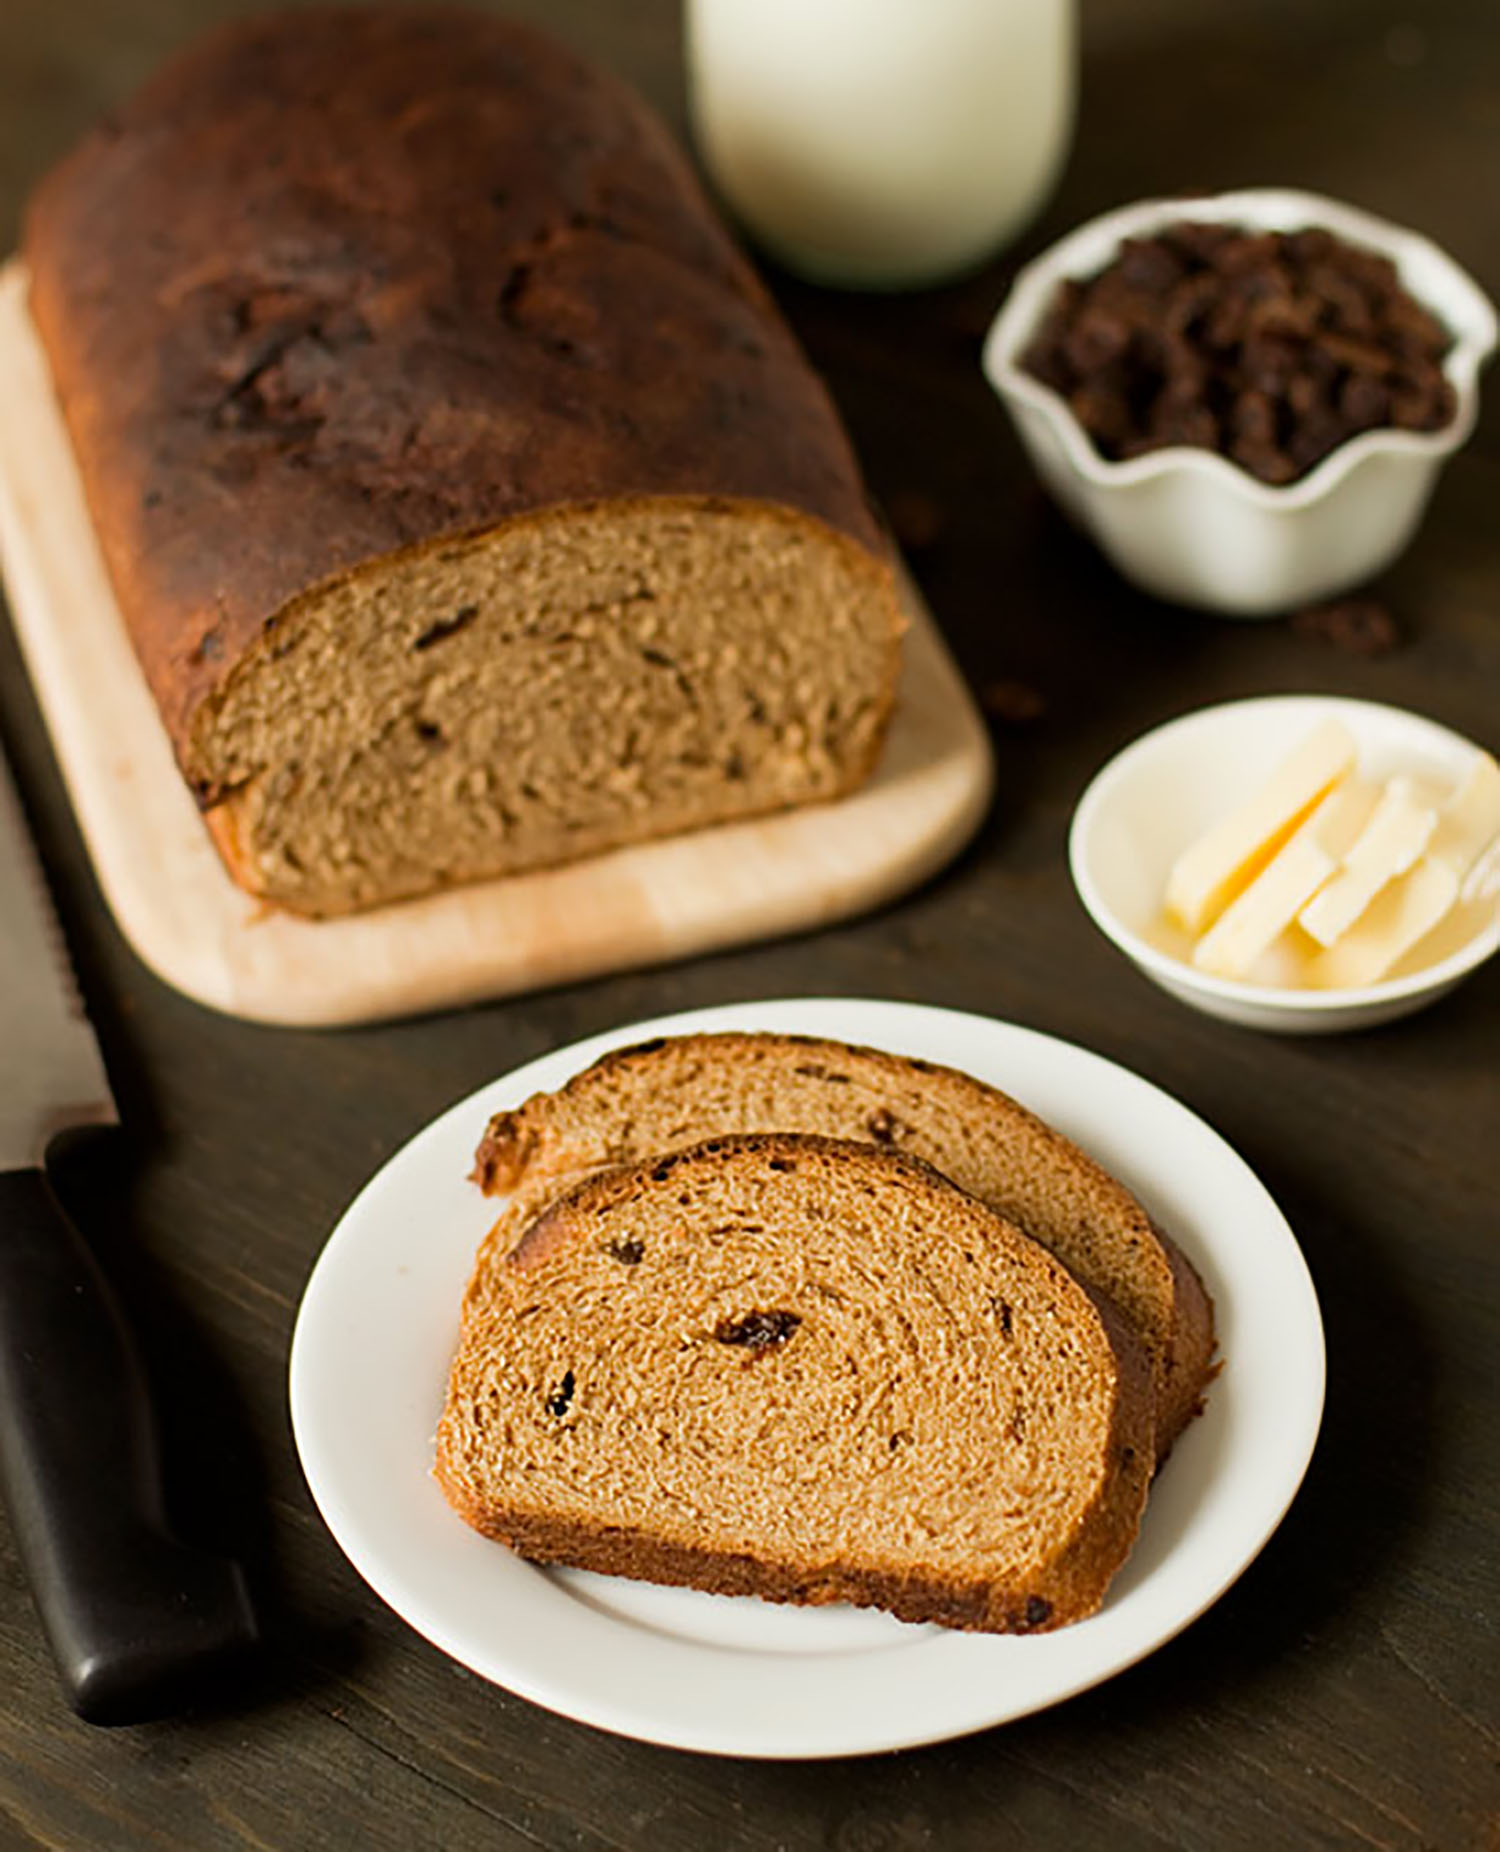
(175, 904)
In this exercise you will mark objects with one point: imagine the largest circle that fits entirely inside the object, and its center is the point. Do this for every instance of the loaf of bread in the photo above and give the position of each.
(469, 504)
(809, 1370)
(673, 1092)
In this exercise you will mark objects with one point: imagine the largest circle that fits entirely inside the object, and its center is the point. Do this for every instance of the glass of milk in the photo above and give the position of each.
(883, 143)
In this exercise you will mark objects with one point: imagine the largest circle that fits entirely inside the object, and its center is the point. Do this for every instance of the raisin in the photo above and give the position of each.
(758, 1330)
(561, 1396)
(447, 627)
(1364, 402)
(916, 518)
(884, 1127)
(1147, 264)
(1356, 626)
(1012, 703)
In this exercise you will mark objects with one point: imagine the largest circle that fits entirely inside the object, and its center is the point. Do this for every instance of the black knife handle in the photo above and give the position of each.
(137, 1621)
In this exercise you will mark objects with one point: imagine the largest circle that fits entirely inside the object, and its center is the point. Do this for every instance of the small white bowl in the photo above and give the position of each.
(1151, 800)
(1189, 525)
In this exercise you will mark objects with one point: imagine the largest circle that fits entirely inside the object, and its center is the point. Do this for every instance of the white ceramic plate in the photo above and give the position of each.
(739, 1676)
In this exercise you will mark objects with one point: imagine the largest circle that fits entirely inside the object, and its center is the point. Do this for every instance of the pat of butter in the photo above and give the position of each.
(1405, 911)
(1470, 820)
(1396, 834)
(1223, 862)
(1402, 913)
(1276, 896)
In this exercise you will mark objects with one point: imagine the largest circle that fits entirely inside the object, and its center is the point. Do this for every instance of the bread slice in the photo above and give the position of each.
(806, 1369)
(668, 1093)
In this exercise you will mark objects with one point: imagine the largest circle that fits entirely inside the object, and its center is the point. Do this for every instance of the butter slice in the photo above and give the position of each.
(1396, 834)
(1470, 820)
(1223, 862)
(1276, 896)
(1401, 913)
(1413, 904)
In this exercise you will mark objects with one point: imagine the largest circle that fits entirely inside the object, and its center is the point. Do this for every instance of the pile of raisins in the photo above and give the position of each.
(1271, 348)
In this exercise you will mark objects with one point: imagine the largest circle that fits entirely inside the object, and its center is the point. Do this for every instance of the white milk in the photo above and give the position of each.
(883, 142)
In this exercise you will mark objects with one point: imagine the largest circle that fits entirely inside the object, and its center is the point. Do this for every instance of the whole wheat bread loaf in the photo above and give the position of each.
(663, 1095)
(469, 505)
(806, 1369)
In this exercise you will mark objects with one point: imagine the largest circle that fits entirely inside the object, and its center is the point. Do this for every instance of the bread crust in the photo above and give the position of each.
(300, 321)
(1065, 1588)
(1190, 1360)
(974, 1607)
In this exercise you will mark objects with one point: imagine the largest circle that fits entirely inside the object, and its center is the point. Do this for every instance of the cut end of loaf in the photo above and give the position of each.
(801, 1368)
(563, 684)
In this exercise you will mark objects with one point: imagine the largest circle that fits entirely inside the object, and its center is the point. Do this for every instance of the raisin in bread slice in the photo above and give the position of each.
(673, 1092)
(806, 1369)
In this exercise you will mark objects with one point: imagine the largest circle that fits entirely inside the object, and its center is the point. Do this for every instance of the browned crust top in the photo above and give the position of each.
(339, 282)
(513, 1138)
(969, 1605)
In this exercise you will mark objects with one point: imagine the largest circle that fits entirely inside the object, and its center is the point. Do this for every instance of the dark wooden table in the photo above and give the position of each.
(1345, 1691)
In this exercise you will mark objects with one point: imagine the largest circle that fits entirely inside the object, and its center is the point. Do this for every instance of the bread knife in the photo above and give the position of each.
(136, 1619)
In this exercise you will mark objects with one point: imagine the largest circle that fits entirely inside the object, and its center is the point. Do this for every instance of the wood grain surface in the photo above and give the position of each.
(1344, 1693)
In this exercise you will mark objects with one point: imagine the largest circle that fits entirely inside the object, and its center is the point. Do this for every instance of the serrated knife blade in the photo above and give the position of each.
(51, 1075)
(137, 1620)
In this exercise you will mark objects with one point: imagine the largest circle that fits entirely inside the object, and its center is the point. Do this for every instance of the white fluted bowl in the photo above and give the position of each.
(1189, 525)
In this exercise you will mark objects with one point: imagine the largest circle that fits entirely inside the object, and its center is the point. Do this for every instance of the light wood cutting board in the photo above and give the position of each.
(175, 904)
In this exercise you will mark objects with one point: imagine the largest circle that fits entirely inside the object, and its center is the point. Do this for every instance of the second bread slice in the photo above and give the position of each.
(665, 1094)
(804, 1369)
